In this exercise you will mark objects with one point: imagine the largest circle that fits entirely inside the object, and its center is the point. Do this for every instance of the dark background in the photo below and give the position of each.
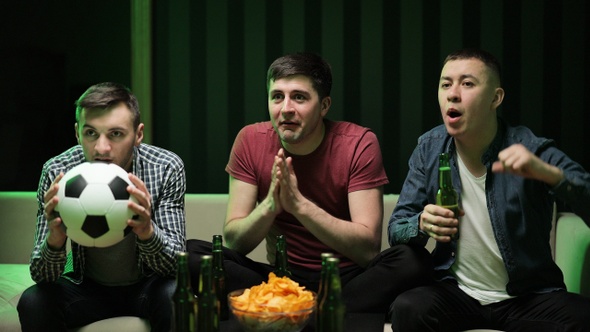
(210, 58)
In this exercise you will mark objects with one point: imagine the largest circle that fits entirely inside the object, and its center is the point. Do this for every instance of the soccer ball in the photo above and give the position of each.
(92, 204)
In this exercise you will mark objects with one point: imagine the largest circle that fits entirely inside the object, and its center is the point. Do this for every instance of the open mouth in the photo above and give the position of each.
(453, 114)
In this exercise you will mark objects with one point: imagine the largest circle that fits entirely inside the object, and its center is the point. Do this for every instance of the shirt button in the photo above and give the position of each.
(453, 254)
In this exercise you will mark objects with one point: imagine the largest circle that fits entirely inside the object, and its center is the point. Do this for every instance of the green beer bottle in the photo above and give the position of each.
(281, 265)
(219, 277)
(322, 288)
(331, 312)
(183, 299)
(447, 196)
(207, 303)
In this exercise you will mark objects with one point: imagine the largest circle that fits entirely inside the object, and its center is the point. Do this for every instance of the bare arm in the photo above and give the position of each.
(358, 239)
(246, 224)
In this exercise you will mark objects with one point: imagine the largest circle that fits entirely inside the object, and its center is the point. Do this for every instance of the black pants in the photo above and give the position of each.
(368, 290)
(442, 306)
(61, 305)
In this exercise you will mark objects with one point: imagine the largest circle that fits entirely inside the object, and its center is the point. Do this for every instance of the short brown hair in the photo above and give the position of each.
(106, 95)
(306, 64)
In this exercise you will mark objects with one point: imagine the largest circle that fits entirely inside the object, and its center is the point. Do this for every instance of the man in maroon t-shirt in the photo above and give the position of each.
(320, 184)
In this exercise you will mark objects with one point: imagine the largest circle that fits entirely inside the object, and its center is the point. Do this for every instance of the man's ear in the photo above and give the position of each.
(326, 103)
(498, 98)
(139, 134)
(77, 135)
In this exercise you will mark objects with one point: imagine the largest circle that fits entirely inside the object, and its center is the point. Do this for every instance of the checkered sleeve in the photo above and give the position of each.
(46, 264)
(164, 175)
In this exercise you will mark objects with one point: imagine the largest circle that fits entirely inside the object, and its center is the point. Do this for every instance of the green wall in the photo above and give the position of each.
(210, 58)
(50, 53)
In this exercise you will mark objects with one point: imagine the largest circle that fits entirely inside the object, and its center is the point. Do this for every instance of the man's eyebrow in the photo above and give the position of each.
(87, 126)
(304, 92)
(462, 77)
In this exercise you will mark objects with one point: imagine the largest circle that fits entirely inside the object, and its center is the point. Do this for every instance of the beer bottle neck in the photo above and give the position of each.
(445, 179)
(281, 265)
(205, 278)
(182, 273)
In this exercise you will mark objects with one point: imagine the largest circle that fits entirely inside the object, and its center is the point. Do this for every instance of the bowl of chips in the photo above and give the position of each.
(277, 305)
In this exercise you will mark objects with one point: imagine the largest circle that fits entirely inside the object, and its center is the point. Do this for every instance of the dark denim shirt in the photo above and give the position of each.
(521, 210)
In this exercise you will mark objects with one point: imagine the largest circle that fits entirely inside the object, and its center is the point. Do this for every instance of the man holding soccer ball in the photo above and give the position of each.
(134, 277)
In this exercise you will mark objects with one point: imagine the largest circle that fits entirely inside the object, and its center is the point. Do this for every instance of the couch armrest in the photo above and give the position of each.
(572, 252)
(19, 213)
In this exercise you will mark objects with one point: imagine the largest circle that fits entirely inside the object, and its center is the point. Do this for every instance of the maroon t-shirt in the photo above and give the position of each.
(348, 159)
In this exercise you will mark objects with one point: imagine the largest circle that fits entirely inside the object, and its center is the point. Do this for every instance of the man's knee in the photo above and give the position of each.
(404, 304)
(26, 300)
(407, 309)
(39, 307)
(37, 296)
(415, 262)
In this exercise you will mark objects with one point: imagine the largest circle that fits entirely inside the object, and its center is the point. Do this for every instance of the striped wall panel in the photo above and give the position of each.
(210, 59)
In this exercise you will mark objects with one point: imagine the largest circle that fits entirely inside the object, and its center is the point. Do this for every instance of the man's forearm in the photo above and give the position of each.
(352, 239)
(244, 234)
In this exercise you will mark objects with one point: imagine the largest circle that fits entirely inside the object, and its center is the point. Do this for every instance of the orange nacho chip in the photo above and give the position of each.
(276, 295)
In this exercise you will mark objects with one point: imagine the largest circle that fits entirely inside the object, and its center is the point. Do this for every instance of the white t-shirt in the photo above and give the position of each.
(478, 268)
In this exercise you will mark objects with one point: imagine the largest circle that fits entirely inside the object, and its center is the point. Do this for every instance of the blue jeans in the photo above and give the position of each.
(442, 306)
(62, 305)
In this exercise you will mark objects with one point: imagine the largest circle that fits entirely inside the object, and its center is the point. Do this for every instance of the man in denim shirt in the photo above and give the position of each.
(499, 273)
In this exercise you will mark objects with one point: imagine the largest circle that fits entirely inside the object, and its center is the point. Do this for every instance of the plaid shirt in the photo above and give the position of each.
(163, 174)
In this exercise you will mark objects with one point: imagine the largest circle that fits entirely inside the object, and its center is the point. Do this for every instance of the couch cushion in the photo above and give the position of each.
(572, 252)
(19, 213)
(15, 278)
(124, 323)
